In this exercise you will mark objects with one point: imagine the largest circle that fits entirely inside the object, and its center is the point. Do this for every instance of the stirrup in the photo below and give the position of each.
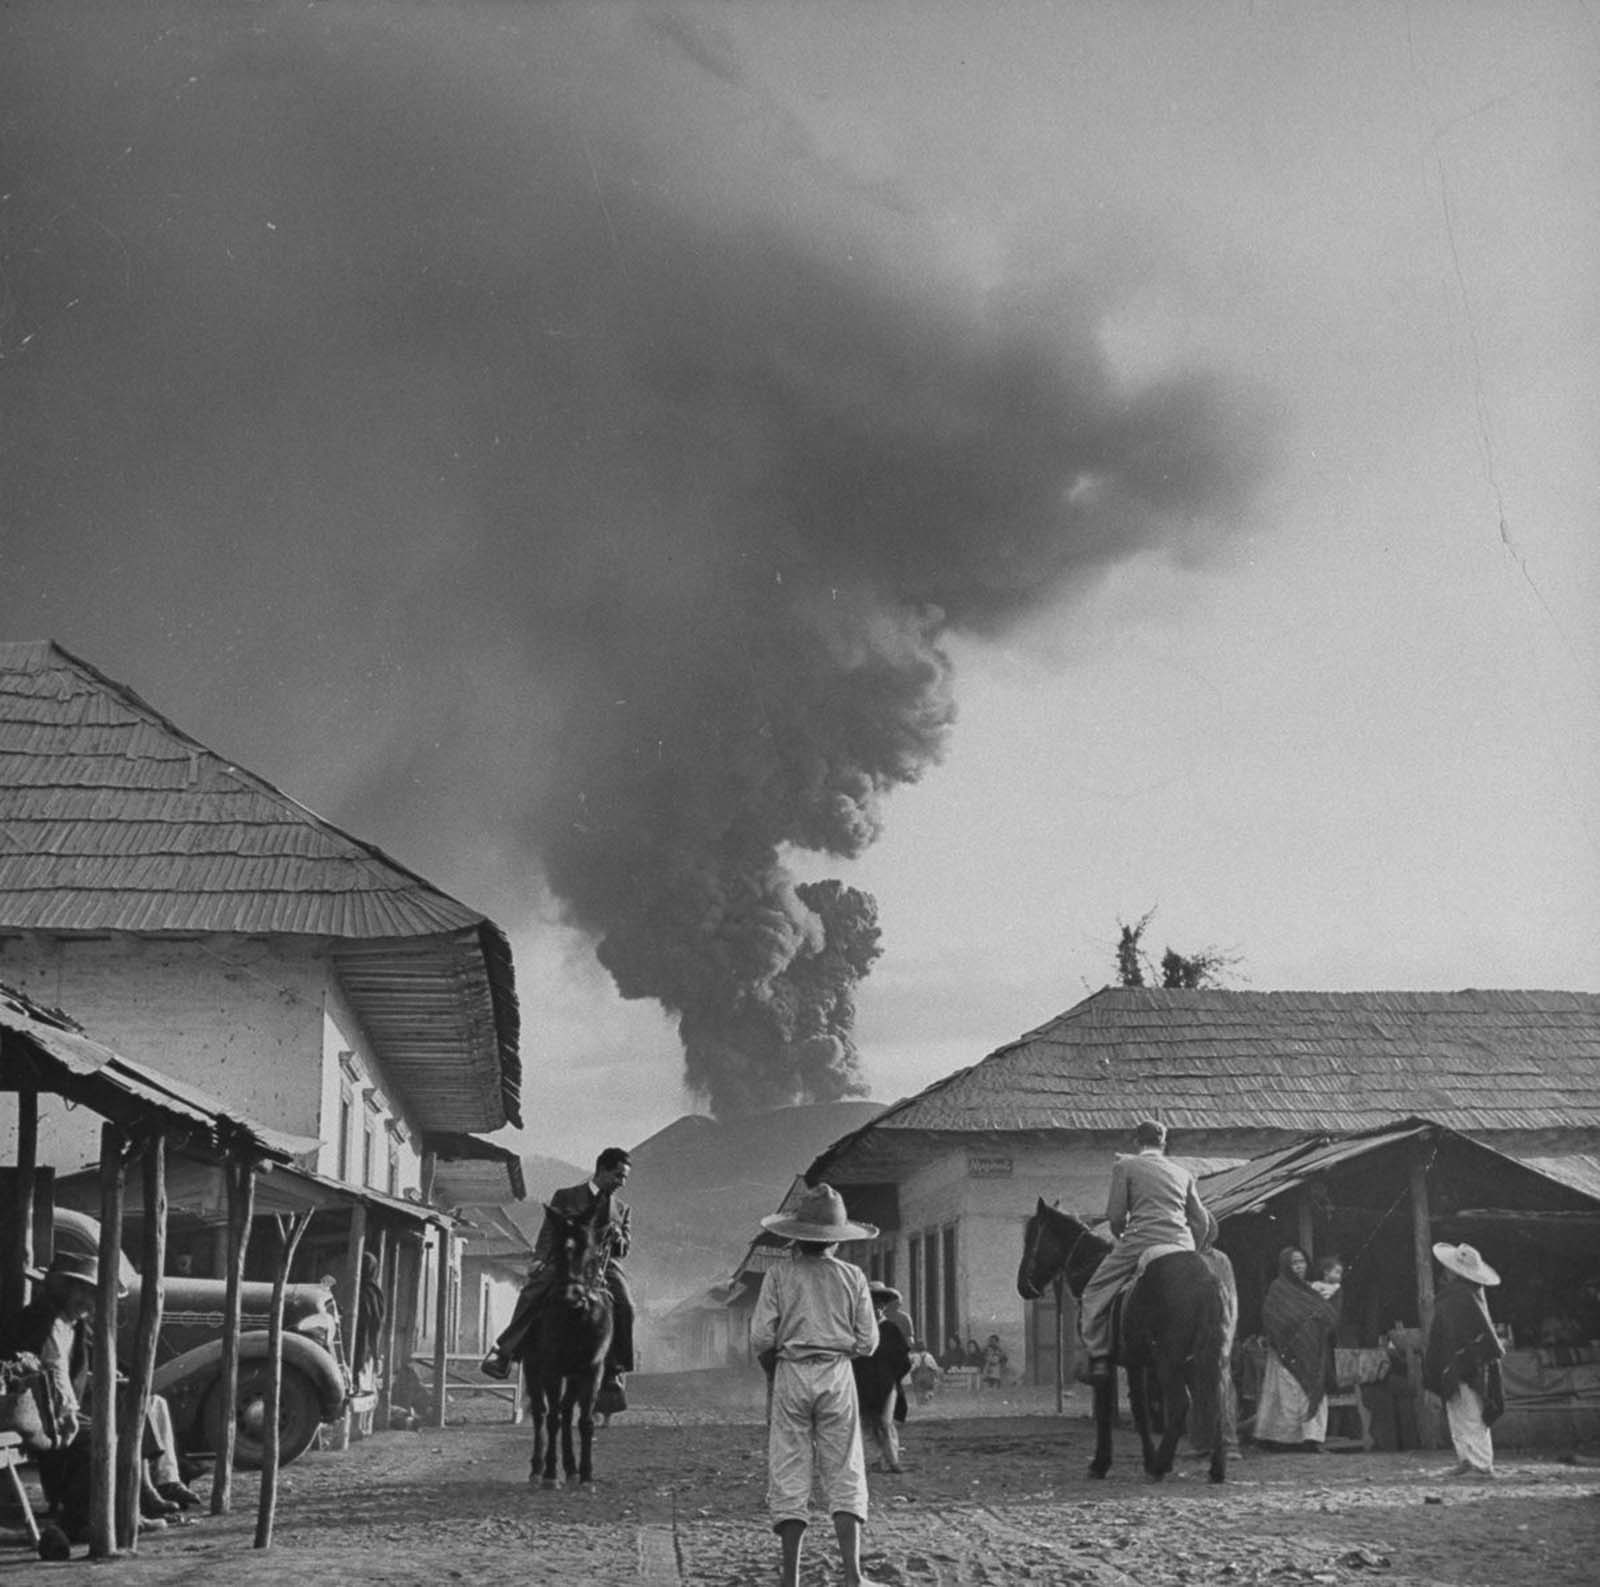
(494, 1365)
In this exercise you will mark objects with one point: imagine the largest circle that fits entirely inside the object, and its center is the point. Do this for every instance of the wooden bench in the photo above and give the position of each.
(13, 1455)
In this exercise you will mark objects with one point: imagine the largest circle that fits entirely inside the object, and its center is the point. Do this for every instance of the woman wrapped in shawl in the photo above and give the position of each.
(1462, 1361)
(1299, 1325)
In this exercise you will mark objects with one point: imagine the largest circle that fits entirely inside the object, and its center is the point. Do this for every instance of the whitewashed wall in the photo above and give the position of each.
(259, 1024)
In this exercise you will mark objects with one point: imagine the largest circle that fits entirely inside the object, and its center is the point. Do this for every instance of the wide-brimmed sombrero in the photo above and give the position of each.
(818, 1215)
(1465, 1261)
(884, 1292)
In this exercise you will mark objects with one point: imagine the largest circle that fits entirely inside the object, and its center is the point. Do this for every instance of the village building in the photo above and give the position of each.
(199, 920)
(951, 1174)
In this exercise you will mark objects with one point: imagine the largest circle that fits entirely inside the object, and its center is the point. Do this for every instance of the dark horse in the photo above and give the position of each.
(565, 1352)
(1175, 1337)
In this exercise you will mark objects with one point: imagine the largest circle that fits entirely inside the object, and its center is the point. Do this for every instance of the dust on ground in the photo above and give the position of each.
(994, 1492)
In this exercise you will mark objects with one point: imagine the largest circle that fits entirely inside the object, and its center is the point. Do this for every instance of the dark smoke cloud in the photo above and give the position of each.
(505, 396)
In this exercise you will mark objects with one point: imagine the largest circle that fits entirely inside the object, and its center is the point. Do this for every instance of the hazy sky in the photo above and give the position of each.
(1065, 460)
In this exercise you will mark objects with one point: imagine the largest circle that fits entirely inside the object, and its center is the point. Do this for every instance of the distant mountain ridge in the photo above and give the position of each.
(699, 1189)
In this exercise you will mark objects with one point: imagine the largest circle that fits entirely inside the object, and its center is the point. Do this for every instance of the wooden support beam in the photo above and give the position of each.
(354, 1262)
(241, 1177)
(15, 1286)
(1422, 1241)
(152, 1297)
(1060, 1289)
(289, 1233)
(441, 1329)
(103, 1425)
(1429, 1431)
(382, 1416)
(1307, 1230)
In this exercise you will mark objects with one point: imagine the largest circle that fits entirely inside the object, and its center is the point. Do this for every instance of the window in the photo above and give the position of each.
(369, 1148)
(347, 1109)
(394, 1169)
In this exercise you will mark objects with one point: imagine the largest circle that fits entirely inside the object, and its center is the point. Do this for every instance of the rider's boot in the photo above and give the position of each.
(495, 1365)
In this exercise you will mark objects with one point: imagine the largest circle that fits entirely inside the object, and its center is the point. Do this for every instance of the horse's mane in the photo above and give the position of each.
(1074, 1225)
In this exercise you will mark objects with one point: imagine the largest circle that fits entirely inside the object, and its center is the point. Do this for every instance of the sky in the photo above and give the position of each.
(813, 516)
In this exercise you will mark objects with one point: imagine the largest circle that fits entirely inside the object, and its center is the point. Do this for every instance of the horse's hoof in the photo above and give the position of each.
(1097, 1471)
(550, 1482)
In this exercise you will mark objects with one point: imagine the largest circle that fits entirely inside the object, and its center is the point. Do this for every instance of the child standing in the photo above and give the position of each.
(812, 1316)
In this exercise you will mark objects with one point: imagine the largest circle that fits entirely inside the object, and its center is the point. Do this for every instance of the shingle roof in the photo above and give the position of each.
(1291, 1061)
(114, 819)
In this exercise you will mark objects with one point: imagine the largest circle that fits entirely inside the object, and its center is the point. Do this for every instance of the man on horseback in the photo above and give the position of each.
(596, 1201)
(1154, 1205)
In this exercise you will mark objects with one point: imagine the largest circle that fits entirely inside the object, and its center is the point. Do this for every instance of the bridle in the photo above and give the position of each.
(1030, 1252)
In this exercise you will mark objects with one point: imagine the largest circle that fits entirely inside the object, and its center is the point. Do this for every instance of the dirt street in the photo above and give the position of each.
(994, 1492)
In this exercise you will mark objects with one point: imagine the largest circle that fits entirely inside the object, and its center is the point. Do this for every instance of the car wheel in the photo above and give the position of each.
(299, 1416)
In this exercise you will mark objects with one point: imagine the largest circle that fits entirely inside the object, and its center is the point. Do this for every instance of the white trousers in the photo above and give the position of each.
(1468, 1430)
(815, 1427)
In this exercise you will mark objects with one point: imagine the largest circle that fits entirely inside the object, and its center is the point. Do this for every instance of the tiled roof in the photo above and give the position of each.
(114, 819)
(1278, 1061)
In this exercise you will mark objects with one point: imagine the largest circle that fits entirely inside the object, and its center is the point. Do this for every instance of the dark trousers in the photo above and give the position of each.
(619, 1358)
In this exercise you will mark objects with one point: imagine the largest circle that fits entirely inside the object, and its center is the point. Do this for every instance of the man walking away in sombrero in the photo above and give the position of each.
(1462, 1361)
(812, 1316)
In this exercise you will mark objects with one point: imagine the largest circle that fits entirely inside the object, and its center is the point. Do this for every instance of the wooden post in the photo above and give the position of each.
(241, 1177)
(1060, 1287)
(352, 1281)
(15, 1287)
(391, 1288)
(152, 1294)
(1422, 1242)
(1307, 1231)
(103, 1427)
(441, 1329)
(288, 1238)
(1428, 1430)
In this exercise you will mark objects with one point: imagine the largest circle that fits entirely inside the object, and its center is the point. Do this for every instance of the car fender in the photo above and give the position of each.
(186, 1378)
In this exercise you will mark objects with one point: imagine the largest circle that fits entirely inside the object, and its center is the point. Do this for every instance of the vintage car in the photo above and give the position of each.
(316, 1379)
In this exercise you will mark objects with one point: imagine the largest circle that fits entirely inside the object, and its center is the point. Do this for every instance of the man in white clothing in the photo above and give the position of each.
(812, 1316)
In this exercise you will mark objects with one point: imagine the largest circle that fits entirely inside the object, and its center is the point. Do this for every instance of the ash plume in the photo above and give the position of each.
(524, 372)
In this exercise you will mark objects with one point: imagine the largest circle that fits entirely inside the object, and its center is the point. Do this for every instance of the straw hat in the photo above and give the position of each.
(884, 1292)
(819, 1215)
(1464, 1261)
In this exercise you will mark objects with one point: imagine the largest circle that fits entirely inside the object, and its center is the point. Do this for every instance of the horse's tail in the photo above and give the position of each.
(1211, 1383)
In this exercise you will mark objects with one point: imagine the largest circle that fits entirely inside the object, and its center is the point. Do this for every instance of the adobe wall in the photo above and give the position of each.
(237, 1017)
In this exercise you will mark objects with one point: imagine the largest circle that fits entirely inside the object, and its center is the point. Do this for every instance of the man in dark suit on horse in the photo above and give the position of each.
(595, 1199)
(1154, 1205)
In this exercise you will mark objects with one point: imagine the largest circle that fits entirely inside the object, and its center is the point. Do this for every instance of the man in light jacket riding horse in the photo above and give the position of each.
(1154, 1205)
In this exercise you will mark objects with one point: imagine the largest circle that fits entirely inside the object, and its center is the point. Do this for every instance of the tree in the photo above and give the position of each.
(1206, 967)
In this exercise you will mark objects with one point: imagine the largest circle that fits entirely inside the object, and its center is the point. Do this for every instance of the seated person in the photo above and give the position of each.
(54, 1328)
